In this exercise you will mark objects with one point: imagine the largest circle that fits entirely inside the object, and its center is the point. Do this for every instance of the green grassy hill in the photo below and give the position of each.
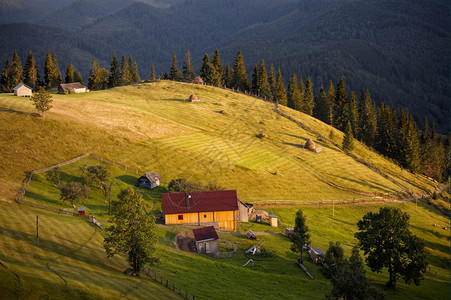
(149, 127)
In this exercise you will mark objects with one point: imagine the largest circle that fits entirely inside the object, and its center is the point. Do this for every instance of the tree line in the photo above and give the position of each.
(391, 133)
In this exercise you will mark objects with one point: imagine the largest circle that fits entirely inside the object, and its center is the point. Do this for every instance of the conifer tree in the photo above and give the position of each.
(216, 62)
(135, 75)
(294, 99)
(308, 103)
(77, 76)
(272, 81)
(16, 70)
(114, 78)
(126, 77)
(69, 75)
(353, 110)
(348, 139)
(207, 71)
(446, 158)
(320, 111)
(31, 75)
(254, 83)
(48, 70)
(240, 81)
(280, 95)
(5, 79)
(152, 73)
(228, 77)
(264, 89)
(341, 106)
(188, 71)
(98, 77)
(386, 135)
(367, 119)
(56, 75)
(409, 142)
(330, 100)
(174, 73)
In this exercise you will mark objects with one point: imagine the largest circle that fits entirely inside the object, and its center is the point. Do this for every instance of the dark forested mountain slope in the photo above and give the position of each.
(399, 50)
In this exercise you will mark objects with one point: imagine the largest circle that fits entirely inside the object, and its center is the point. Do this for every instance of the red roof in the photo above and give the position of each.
(205, 234)
(180, 203)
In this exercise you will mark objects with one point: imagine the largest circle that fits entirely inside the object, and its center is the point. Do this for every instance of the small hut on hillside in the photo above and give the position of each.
(23, 90)
(72, 88)
(198, 80)
(149, 180)
(206, 240)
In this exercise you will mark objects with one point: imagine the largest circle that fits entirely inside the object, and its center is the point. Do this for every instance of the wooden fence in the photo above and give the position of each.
(168, 284)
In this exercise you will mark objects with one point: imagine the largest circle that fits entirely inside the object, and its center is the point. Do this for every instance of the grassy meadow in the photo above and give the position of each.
(150, 127)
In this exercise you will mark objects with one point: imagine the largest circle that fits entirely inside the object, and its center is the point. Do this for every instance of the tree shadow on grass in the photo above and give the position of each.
(128, 179)
(174, 99)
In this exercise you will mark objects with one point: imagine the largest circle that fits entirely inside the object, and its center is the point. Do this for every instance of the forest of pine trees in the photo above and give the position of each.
(393, 134)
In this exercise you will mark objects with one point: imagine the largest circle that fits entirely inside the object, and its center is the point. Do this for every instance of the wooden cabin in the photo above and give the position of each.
(72, 88)
(149, 180)
(206, 240)
(23, 90)
(273, 220)
(213, 208)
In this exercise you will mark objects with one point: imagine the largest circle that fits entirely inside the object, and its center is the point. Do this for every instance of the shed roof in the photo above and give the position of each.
(177, 203)
(21, 85)
(151, 176)
(73, 85)
(205, 234)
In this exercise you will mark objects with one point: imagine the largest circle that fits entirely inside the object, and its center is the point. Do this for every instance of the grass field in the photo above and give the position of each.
(149, 127)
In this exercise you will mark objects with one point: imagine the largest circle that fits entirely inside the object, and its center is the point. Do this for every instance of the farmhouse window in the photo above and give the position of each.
(205, 216)
(180, 217)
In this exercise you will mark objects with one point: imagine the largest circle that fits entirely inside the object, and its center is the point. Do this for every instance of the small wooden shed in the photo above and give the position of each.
(273, 220)
(72, 88)
(206, 240)
(23, 90)
(81, 211)
(149, 180)
(316, 254)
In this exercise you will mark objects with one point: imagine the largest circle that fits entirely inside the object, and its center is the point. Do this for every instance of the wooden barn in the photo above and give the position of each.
(23, 90)
(149, 180)
(206, 240)
(213, 208)
(72, 88)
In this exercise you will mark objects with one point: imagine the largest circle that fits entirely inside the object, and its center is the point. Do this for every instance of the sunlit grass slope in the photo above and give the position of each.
(152, 127)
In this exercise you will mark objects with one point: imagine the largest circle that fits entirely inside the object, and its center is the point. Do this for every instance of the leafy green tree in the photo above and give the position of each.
(387, 242)
(334, 259)
(114, 78)
(188, 71)
(97, 176)
(341, 106)
(264, 90)
(69, 75)
(42, 101)
(74, 192)
(308, 103)
(217, 65)
(5, 78)
(183, 185)
(174, 73)
(300, 236)
(353, 110)
(280, 93)
(54, 176)
(348, 138)
(228, 77)
(207, 71)
(133, 231)
(240, 81)
(31, 74)
(294, 99)
(367, 119)
(98, 77)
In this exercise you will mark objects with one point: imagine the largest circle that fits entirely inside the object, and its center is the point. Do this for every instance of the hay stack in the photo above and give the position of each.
(193, 98)
(310, 145)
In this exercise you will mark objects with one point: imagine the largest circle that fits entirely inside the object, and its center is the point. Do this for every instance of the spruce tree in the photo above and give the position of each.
(69, 75)
(348, 139)
(308, 103)
(114, 78)
(320, 111)
(31, 75)
(216, 62)
(16, 70)
(188, 71)
(77, 76)
(341, 106)
(5, 80)
(272, 81)
(135, 75)
(174, 73)
(386, 134)
(280, 95)
(98, 77)
(207, 71)
(294, 99)
(353, 110)
(254, 83)
(126, 77)
(367, 119)
(228, 77)
(240, 81)
(152, 73)
(48, 70)
(446, 158)
(56, 75)
(409, 142)
(330, 100)
(264, 88)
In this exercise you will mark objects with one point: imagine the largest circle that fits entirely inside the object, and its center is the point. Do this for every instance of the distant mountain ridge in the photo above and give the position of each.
(399, 50)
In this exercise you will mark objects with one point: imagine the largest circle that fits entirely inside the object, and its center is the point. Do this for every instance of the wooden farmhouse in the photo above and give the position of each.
(72, 88)
(212, 208)
(23, 90)
(206, 240)
(149, 180)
